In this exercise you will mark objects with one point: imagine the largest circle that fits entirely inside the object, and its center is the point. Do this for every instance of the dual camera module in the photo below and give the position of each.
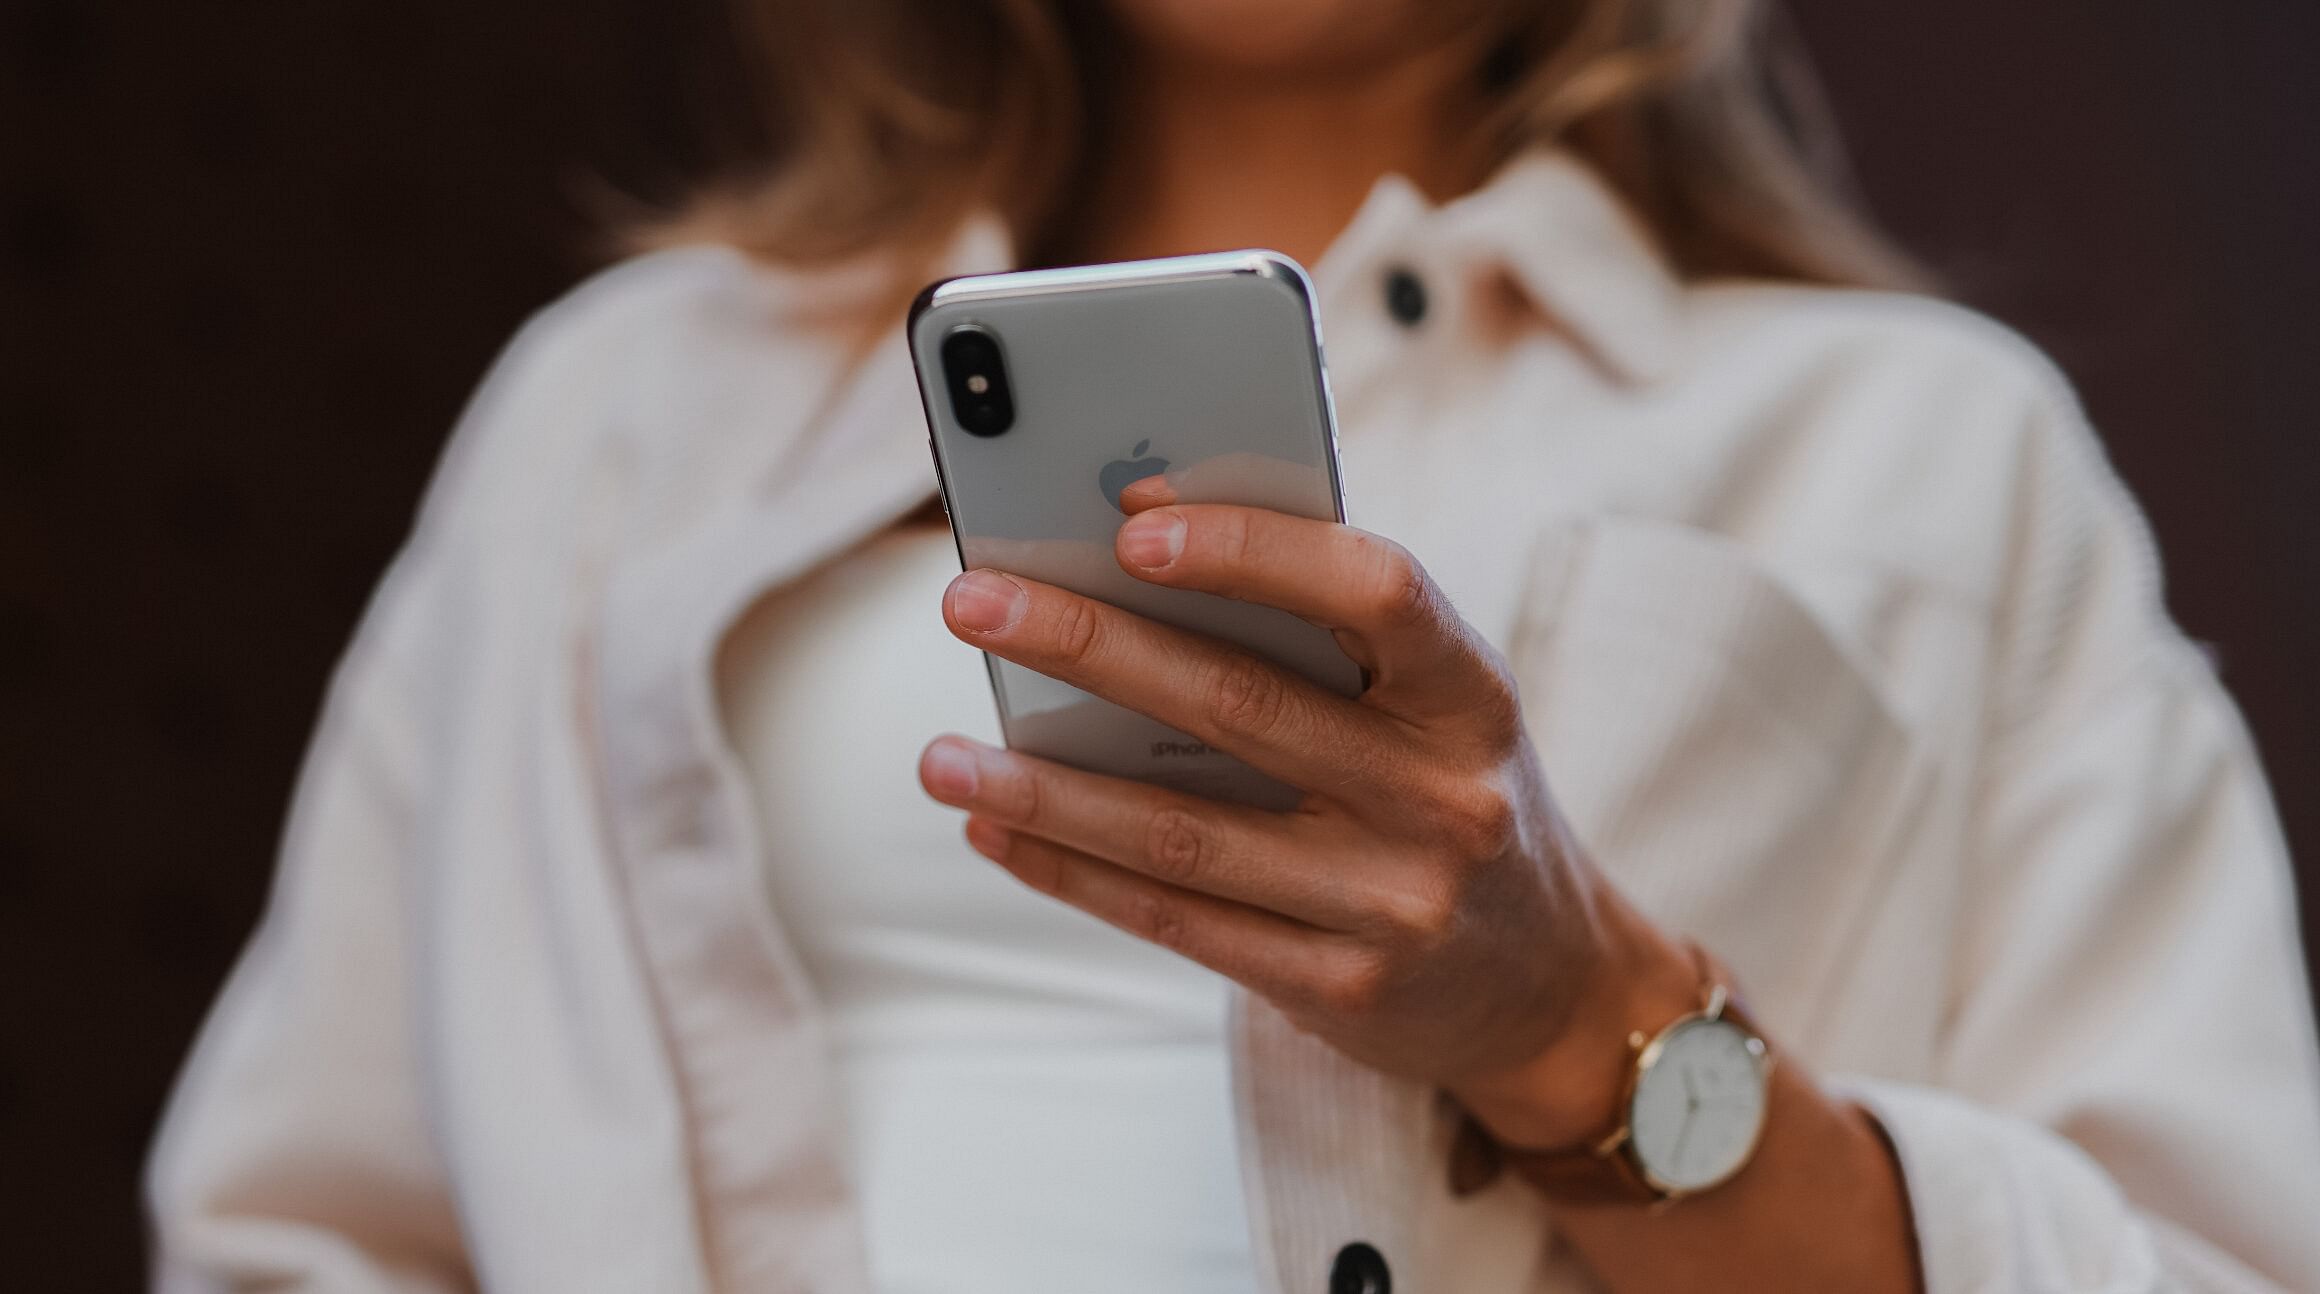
(976, 374)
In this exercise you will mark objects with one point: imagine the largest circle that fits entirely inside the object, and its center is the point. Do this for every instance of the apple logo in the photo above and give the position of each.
(1121, 473)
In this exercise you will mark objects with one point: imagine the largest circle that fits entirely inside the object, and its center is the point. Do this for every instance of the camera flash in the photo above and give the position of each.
(978, 384)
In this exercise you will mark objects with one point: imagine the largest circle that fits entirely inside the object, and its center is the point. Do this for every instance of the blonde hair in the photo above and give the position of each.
(892, 120)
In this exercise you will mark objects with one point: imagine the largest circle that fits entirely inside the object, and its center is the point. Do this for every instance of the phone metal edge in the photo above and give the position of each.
(1072, 278)
(942, 478)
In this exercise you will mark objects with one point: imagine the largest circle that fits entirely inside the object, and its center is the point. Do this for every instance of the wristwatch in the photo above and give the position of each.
(1690, 1113)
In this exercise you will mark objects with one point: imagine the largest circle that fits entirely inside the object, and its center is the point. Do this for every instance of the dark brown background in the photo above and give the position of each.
(253, 253)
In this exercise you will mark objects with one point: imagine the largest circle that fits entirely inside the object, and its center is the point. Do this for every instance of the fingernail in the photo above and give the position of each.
(988, 838)
(1152, 539)
(986, 600)
(950, 771)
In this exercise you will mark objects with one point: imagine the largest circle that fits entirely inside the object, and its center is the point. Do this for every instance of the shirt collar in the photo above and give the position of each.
(1545, 225)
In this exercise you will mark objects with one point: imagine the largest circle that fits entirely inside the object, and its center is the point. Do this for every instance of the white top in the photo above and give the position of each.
(1032, 1100)
(1841, 646)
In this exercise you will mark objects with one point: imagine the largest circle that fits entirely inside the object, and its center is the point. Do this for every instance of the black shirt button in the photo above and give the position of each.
(1360, 1269)
(1405, 296)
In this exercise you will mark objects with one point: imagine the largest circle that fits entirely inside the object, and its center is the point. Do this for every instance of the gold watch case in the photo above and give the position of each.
(1717, 1011)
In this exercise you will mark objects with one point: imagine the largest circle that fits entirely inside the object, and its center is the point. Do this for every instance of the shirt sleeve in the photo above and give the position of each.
(2128, 1096)
(296, 1151)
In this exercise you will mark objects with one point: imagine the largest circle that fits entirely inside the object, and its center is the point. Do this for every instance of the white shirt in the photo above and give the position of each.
(1029, 1099)
(1841, 646)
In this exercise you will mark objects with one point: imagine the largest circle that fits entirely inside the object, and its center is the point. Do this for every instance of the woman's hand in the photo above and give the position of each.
(1424, 909)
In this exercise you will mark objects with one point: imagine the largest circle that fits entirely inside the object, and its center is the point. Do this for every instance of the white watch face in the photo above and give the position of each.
(1699, 1105)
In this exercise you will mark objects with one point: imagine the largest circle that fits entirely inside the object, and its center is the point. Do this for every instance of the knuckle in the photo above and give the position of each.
(1356, 988)
(1479, 820)
(1228, 538)
(1251, 696)
(1022, 796)
(1178, 847)
(1498, 709)
(1438, 790)
(1078, 627)
(1399, 593)
(1425, 915)
(1158, 919)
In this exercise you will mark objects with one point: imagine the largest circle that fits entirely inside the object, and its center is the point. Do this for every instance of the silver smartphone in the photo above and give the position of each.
(1046, 391)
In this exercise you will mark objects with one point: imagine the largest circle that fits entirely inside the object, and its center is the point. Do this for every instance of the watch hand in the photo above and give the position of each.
(1683, 1134)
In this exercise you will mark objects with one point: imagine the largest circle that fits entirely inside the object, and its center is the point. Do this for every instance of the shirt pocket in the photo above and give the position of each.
(1718, 749)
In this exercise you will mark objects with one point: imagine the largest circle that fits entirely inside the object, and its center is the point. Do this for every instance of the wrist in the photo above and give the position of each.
(1567, 1095)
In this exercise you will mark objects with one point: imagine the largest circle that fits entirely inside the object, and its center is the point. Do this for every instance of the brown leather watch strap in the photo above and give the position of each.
(1591, 1175)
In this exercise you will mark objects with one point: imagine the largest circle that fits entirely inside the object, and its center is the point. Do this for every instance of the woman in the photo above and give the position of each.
(1776, 640)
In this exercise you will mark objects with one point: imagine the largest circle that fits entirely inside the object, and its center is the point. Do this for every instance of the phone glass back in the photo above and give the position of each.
(1207, 369)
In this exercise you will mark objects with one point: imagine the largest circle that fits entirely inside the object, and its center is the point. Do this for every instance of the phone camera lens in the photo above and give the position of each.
(976, 374)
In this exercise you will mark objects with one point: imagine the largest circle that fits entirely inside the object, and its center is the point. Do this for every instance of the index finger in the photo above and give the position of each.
(1388, 613)
(1269, 716)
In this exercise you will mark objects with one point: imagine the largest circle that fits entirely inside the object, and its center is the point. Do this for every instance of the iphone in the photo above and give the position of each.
(1046, 391)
